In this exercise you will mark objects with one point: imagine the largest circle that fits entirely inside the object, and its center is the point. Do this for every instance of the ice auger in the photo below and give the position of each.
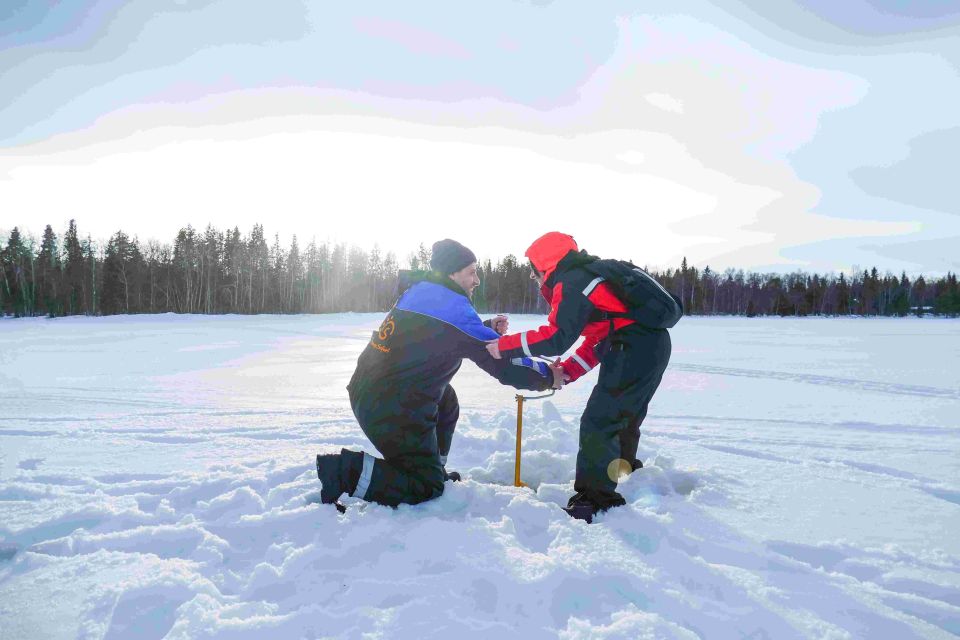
(520, 398)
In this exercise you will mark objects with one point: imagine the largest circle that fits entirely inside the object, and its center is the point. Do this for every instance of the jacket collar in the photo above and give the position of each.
(445, 281)
(571, 260)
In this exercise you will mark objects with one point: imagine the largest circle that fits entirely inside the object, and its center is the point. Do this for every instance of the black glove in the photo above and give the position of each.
(453, 476)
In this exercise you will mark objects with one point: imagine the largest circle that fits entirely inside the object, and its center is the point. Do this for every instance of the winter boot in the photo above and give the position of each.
(580, 507)
(338, 474)
(584, 504)
(637, 464)
(582, 510)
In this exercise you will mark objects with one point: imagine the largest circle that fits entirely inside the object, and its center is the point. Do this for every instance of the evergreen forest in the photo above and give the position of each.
(225, 271)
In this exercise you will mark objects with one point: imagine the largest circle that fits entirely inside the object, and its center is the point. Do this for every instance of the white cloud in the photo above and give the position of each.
(665, 101)
(684, 142)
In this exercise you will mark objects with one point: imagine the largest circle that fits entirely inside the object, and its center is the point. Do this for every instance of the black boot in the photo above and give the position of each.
(338, 474)
(580, 507)
(328, 471)
(583, 505)
(581, 510)
(637, 464)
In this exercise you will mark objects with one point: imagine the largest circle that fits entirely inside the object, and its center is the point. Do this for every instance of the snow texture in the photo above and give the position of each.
(802, 480)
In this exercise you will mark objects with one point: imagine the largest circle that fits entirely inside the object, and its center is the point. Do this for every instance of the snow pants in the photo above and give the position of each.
(413, 433)
(630, 373)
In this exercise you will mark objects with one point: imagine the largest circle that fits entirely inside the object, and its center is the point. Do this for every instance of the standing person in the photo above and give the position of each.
(622, 313)
(400, 391)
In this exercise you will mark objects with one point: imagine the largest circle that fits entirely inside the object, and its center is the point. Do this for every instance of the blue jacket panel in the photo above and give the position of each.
(418, 348)
(443, 304)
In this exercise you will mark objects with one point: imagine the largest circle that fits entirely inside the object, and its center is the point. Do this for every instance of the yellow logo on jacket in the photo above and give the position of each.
(383, 333)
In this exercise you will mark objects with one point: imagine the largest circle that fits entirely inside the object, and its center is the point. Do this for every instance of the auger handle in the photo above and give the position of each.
(520, 398)
(516, 468)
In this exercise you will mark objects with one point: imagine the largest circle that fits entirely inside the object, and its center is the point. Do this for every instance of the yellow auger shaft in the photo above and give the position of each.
(516, 470)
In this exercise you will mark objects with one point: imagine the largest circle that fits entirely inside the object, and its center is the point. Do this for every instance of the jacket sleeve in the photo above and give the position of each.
(569, 315)
(515, 374)
(583, 360)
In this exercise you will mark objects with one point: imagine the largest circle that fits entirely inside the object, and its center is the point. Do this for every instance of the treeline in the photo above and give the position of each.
(866, 293)
(218, 271)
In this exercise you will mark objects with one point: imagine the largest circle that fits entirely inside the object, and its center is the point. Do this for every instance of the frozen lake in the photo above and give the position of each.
(157, 481)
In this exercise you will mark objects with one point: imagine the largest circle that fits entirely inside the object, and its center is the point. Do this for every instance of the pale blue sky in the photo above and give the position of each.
(779, 135)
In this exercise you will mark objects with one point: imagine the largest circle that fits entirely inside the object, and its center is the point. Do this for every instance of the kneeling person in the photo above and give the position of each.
(400, 391)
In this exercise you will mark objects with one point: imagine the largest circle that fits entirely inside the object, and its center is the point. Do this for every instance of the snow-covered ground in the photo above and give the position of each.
(157, 481)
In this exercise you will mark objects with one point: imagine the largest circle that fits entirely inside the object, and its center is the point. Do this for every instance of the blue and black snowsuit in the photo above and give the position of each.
(401, 393)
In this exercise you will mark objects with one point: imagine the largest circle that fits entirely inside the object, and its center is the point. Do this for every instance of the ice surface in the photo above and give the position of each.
(802, 480)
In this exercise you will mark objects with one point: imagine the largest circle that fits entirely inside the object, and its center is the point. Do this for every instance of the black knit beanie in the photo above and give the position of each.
(449, 256)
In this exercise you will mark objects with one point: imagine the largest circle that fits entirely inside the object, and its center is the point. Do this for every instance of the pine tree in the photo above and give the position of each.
(375, 271)
(233, 250)
(49, 271)
(259, 256)
(18, 277)
(338, 275)
(91, 275)
(121, 267)
(185, 268)
(920, 290)
(357, 281)
(683, 280)
(278, 267)
(423, 256)
(390, 271)
(901, 299)
(210, 264)
(6, 293)
(294, 278)
(843, 296)
(313, 277)
(73, 271)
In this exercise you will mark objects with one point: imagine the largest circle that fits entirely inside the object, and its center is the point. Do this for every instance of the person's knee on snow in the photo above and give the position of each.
(431, 488)
(404, 479)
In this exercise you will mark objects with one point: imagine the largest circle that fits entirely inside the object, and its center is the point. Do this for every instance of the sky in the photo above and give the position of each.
(775, 136)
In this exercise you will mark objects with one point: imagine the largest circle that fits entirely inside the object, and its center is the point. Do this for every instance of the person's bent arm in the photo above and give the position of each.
(523, 373)
(570, 314)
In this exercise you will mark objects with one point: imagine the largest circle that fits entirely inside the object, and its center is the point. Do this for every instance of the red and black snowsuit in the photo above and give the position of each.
(632, 360)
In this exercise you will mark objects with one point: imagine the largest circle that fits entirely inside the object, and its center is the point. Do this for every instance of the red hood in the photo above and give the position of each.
(547, 250)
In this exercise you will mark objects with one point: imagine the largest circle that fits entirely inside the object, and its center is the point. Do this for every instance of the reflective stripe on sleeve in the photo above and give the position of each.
(591, 287)
(364, 483)
(581, 362)
(523, 343)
